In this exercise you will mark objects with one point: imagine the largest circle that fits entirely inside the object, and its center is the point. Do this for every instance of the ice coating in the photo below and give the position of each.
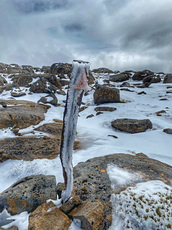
(74, 97)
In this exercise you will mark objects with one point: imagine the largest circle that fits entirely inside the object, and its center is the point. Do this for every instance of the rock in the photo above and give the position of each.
(138, 76)
(147, 81)
(10, 69)
(91, 215)
(48, 216)
(104, 94)
(17, 94)
(45, 69)
(29, 148)
(91, 78)
(22, 79)
(71, 204)
(92, 183)
(50, 99)
(168, 131)
(168, 78)
(132, 125)
(61, 68)
(10, 228)
(64, 82)
(125, 84)
(102, 70)
(28, 193)
(90, 116)
(142, 92)
(159, 113)
(2, 81)
(40, 86)
(119, 77)
(169, 91)
(52, 128)
(27, 69)
(100, 109)
(53, 80)
(21, 114)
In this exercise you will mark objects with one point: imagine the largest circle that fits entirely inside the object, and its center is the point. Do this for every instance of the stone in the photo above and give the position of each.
(2, 81)
(21, 114)
(10, 228)
(138, 76)
(159, 113)
(132, 125)
(91, 215)
(18, 94)
(49, 99)
(22, 80)
(90, 116)
(168, 131)
(48, 216)
(53, 80)
(27, 69)
(45, 69)
(28, 193)
(40, 86)
(61, 68)
(147, 81)
(64, 82)
(168, 78)
(29, 148)
(102, 109)
(52, 128)
(102, 70)
(71, 204)
(125, 84)
(104, 94)
(119, 77)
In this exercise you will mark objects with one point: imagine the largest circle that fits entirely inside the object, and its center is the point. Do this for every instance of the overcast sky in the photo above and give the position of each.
(117, 34)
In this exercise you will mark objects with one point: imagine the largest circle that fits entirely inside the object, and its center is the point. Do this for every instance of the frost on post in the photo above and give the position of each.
(78, 85)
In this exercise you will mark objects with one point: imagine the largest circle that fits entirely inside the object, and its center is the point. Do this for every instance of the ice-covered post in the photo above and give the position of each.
(78, 85)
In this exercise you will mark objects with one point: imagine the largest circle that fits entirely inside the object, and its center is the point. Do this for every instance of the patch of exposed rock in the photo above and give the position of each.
(21, 114)
(139, 76)
(28, 193)
(132, 125)
(92, 183)
(105, 94)
(104, 109)
(102, 70)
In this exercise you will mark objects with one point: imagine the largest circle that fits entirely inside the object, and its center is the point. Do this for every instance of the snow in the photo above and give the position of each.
(93, 136)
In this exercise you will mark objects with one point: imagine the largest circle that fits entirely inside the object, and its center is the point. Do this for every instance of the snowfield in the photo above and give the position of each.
(93, 135)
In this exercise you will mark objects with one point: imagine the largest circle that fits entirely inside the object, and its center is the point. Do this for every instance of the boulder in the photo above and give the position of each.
(168, 131)
(18, 94)
(50, 99)
(40, 86)
(132, 125)
(90, 214)
(168, 78)
(29, 148)
(105, 94)
(52, 128)
(28, 193)
(92, 183)
(151, 79)
(103, 109)
(102, 70)
(2, 81)
(21, 114)
(71, 204)
(27, 69)
(61, 68)
(45, 69)
(119, 77)
(53, 80)
(48, 216)
(22, 79)
(91, 78)
(138, 76)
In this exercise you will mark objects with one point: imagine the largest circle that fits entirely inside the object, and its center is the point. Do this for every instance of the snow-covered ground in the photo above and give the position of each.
(93, 133)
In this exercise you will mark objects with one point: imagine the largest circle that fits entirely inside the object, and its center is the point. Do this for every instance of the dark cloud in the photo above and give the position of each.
(126, 34)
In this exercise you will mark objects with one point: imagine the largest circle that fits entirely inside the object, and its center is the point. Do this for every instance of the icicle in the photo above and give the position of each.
(78, 85)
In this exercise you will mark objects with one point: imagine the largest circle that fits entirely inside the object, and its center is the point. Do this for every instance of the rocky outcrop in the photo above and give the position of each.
(48, 216)
(132, 125)
(105, 94)
(168, 78)
(28, 193)
(119, 77)
(92, 183)
(21, 114)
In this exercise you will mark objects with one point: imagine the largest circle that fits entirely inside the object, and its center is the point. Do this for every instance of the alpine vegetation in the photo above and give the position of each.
(77, 87)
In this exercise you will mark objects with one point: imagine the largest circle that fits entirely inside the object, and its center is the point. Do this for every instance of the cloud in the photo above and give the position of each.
(127, 34)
